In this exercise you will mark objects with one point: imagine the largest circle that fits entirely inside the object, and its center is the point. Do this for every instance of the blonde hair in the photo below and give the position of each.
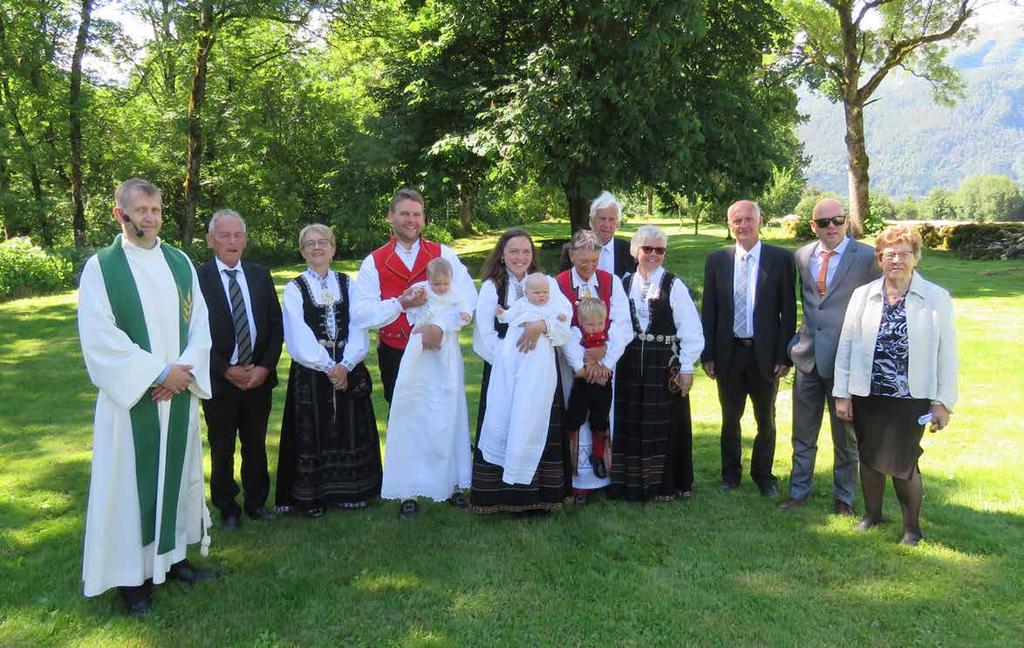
(896, 234)
(591, 309)
(535, 278)
(439, 267)
(316, 228)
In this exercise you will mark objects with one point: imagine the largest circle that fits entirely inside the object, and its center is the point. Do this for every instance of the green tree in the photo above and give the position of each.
(989, 198)
(848, 47)
(939, 204)
(783, 192)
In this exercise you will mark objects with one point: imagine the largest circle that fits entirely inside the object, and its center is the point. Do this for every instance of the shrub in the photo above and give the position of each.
(27, 270)
(976, 240)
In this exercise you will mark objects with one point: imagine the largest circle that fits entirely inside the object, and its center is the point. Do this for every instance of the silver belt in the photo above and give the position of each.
(650, 337)
(331, 344)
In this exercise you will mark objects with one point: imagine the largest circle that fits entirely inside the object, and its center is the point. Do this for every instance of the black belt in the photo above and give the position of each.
(747, 342)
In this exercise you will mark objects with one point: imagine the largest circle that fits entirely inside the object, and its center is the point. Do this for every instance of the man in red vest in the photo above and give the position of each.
(581, 280)
(384, 288)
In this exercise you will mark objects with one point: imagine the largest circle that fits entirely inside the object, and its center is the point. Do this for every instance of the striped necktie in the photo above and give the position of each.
(242, 336)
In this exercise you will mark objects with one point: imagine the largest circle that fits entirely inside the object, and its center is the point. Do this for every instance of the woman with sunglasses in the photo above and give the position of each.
(652, 455)
(896, 372)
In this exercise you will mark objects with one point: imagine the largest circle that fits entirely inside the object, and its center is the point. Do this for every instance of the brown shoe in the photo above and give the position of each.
(790, 503)
(839, 507)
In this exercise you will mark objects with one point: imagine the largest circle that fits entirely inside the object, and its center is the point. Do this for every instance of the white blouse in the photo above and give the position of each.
(684, 314)
(299, 339)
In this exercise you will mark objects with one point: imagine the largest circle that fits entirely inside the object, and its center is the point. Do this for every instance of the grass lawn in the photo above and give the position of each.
(718, 569)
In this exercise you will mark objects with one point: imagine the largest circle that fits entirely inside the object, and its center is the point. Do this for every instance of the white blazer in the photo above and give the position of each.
(931, 339)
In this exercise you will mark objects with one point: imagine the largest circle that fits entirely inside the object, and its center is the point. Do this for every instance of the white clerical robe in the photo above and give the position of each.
(427, 452)
(123, 373)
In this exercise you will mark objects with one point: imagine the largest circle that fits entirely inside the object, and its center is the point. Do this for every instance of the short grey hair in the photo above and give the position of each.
(221, 214)
(124, 191)
(584, 241)
(757, 208)
(317, 228)
(606, 199)
(644, 236)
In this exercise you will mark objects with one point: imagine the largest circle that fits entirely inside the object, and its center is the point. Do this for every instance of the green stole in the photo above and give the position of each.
(127, 309)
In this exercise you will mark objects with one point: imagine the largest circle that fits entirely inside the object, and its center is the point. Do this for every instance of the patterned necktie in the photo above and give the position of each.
(242, 336)
(823, 271)
(739, 321)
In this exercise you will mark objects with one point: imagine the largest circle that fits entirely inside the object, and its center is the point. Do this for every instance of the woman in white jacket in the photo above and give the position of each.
(896, 371)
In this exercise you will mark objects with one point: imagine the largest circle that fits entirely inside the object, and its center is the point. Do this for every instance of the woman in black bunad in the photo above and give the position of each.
(652, 449)
(330, 449)
(504, 273)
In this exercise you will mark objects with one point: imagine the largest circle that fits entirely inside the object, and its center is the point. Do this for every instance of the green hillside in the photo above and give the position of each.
(915, 144)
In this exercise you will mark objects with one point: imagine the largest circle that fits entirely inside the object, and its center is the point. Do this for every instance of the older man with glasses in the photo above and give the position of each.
(830, 269)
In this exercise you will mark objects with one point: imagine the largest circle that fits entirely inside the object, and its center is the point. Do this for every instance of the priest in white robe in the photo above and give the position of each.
(146, 343)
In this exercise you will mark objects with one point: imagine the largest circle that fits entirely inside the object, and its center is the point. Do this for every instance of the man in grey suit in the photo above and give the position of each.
(830, 269)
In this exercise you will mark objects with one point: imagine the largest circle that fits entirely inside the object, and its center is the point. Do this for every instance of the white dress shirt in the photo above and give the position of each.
(620, 328)
(684, 314)
(244, 286)
(372, 312)
(755, 257)
(833, 262)
(606, 261)
(302, 344)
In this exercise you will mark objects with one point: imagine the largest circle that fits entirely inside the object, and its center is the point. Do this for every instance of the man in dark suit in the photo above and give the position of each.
(605, 218)
(749, 316)
(246, 329)
(830, 269)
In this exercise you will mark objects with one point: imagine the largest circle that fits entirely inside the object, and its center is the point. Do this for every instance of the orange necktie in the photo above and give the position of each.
(823, 270)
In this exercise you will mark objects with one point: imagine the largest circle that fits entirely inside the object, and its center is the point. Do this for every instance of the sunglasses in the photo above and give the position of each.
(650, 249)
(835, 220)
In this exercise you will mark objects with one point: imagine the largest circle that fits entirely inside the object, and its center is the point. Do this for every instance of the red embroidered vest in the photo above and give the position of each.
(395, 278)
(604, 292)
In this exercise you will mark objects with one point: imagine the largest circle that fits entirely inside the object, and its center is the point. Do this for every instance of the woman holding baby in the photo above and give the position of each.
(509, 434)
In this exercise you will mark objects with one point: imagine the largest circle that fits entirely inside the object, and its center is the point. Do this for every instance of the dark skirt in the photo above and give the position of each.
(652, 445)
(888, 434)
(550, 485)
(330, 448)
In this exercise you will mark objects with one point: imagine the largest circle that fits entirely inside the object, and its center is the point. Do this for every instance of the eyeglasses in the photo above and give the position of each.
(892, 255)
(651, 249)
(835, 220)
(317, 243)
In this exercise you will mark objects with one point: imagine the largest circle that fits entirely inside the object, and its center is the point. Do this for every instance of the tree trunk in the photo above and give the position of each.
(196, 97)
(578, 194)
(857, 168)
(75, 110)
(23, 226)
(467, 207)
(650, 201)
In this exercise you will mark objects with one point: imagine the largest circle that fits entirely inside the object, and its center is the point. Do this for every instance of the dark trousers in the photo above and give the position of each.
(589, 398)
(244, 414)
(742, 379)
(388, 359)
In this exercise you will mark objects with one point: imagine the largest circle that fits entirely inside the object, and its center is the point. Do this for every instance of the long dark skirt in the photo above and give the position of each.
(330, 450)
(888, 434)
(550, 485)
(652, 447)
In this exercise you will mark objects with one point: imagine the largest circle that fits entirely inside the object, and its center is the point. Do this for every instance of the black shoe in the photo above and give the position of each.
(580, 499)
(138, 599)
(315, 512)
(458, 500)
(408, 509)
(261, 513)
(230, 522)
(186, 573)
(729, 486)
(599, 469)
(769, 489)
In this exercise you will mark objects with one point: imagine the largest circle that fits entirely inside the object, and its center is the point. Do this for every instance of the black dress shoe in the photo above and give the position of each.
(230, 522)
(186, 573)
(261, 513)
(408, 509)
(599, 468)
(769, 489)
(729, 486)
(137, 600)
(458, 500)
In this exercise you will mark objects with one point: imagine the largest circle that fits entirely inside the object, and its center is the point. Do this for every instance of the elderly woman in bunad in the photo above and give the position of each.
(330, 449)
(590, 453)
(896, 372)
(652, 452)
(504, 274)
